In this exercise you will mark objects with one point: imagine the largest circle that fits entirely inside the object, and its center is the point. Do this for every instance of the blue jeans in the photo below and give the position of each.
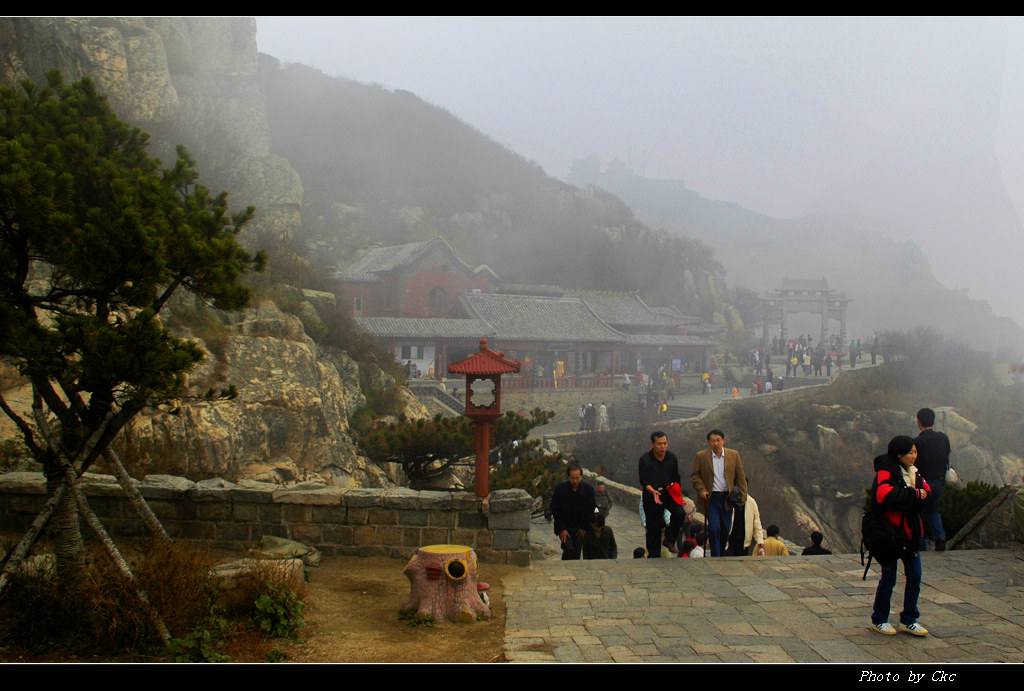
(719, 519)
(930, 516)
(883, 595)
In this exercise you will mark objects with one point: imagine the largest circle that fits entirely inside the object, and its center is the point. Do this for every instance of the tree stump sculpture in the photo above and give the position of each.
(443, 584)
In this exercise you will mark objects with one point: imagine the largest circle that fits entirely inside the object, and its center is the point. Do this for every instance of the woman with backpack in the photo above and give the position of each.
(898, 493)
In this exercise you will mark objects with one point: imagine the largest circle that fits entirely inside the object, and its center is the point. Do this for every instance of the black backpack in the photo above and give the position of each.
(880, 538)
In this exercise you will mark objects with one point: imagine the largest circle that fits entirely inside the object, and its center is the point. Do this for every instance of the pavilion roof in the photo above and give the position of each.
(485, 362)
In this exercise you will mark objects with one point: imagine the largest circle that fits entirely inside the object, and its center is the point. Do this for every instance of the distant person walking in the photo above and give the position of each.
(603, 499)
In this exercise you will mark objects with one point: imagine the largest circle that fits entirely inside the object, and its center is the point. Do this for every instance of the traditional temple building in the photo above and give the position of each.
(552, 336)
(655, 337)
(420, 279)
(432, 309)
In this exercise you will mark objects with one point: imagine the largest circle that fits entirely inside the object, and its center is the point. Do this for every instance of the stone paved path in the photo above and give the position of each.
(767, 609)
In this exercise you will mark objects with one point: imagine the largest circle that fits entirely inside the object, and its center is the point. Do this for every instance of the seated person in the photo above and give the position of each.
(815, 547)
(773, 546)
(599, 543)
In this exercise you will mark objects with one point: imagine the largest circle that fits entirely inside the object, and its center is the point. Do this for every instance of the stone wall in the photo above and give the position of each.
(353, 521)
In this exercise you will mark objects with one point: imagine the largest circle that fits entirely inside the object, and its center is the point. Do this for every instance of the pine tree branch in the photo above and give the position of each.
(23, 427)
(138, 501)
(20, 551)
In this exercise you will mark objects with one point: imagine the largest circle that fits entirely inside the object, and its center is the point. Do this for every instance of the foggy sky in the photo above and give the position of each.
(917, 122)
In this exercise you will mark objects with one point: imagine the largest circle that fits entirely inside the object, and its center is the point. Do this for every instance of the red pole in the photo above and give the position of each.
(483, 448)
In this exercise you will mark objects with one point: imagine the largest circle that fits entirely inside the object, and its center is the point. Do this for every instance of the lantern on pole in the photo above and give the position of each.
(483, 372)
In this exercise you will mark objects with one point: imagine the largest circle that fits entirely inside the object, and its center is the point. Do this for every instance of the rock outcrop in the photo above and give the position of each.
(289, 421)
(184, 81)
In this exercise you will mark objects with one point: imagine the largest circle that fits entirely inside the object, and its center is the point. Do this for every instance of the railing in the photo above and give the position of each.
(525, 381)
(588, 381)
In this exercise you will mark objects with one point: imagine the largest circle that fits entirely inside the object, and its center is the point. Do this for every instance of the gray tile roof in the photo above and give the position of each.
(675, 315)
(530, 289)
(410, 327)
(378, 260)
(668, 340)
(623, 309)
(356, 276)
(804, 283)
(381, 259)
(534, 318)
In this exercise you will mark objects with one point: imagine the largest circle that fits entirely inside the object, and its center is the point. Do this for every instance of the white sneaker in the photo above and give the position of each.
(885, 628)
(914, 629)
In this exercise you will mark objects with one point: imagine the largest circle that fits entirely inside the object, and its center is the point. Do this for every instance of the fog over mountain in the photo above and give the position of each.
(913, 123)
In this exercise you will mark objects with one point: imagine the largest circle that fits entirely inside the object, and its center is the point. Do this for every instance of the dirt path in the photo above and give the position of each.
(352, 616)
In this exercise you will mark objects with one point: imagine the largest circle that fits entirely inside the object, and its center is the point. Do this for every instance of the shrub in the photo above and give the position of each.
(279, 611)
(101, 612)
(959, 506)
(266, 590)
(205, 642)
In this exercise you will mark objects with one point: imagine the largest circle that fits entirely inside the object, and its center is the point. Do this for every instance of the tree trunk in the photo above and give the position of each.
(443, 584)
(68, 546)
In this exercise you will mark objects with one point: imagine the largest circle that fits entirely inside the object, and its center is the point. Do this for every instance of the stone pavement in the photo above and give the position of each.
(761, 609)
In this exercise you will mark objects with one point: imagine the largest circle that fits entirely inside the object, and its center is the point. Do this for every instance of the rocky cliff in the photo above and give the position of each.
(195, 82)
(185, 81)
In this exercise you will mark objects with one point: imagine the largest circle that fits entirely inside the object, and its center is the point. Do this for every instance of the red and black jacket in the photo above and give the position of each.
(900, 504)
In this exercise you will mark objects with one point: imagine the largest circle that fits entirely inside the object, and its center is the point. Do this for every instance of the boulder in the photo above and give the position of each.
(273, 547)
(828, 438)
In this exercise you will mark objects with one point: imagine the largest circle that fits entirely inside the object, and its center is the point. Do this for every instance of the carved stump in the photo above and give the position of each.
(443, 583)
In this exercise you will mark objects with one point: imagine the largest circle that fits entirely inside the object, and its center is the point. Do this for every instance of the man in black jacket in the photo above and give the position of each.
(658, 468)
(932, 462)
(573, 506)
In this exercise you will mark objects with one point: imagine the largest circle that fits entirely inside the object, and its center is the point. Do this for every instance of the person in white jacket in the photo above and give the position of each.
(753, 533)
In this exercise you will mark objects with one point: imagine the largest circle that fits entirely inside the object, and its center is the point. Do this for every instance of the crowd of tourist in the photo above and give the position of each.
(904, 513)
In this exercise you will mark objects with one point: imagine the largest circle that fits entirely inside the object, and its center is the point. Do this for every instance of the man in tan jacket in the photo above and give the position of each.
(773, 546)
(716, 470)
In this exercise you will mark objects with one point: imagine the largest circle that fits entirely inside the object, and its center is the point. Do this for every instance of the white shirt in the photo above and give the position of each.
(718, 463)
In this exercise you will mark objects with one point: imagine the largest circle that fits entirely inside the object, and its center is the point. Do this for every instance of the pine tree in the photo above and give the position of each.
(94, 239)
(427, 448)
